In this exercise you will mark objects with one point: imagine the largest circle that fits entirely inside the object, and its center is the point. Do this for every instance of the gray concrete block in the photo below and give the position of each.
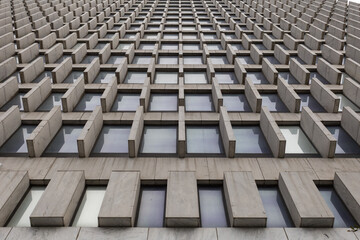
(35, 97)
(60, 73)
(7, 68)
(329, 72)
(92, 70)
(352, 68)
(324, 96)
(10, 121)
(54, 53)
(32, 70)
(136, 132)
(8, 89)
(288, 96)
(253, 96)
(109, 95)
(26, 233)
(299, 71)
(72, 96)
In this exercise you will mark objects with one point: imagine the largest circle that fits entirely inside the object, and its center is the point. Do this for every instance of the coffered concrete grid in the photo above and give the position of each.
(70, 69)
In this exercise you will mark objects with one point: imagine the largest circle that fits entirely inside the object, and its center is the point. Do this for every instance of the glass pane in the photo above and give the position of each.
(199, 103)
(152, 206)
(21, 218)
(212, 208)
(166, 78)
(123, 46)
(87, 214)
(126, 102)
(273, 103)
(288, 77)
(42, 76)
(193, 60)
(219, 60)
(88, 102)
(343, 218)
(188, 46)
(214, 46)
(163, 102)
(135, 77)
(203, 139)
(345, 102)
(319, 77)
(257, 78)
(296, 141)
(147, 46)
(73, 76)
(168, 60)
(307, 100)
(115, 59)
(250, 140)
(195, 78)
(104, 77)
(236, 103)
(17, 142)
(226, 78)
(15, 101)
(275, 208)
(65, 140)
(245, 60)
(159, 139)
(88, 59)
(112, 139)
(344, 144)
(141, 60)
(169, 46)
(53, 100)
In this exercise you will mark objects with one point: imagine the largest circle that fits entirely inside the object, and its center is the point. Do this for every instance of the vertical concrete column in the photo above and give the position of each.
(324, 96)
(240, 71)
(210, 71)
(32, 70)
(54, 53)
(216, 94)
(182, 203)
(304, 201)
(331, 55)
(7, 68)
(243, 200)
(8, 89)
(352, 68)
(351, 90)
(269, 71)
(253, 96)
(72, 96)
(329, 72)
(151, 70)
(350, 122)
(7, 51)
(346, 186)
(92, 70)
(145, 95)
(28, 54)
(227, 133)
(281, 54)
(121, 71)
(288, 96)
(120, 202)
(181, 132)
(35, 97)
(136, 132)
(307, 55)
(13, 186)
(79, 54)
(10, 121)
(58, 203)
(105, 53)
(109, 95)
(272, 133)
(299, 71)
(60, 73)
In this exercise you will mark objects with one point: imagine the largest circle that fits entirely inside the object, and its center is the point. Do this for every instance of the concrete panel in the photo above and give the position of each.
(240, 71)
(304, 201)
(350, 122)
(299, 71)
(288, 96)
(331, 55)
(243, 200)
(7, 67)
(121, 200)
(60, 200)
(136, 132)
(10, 121)
(253, 96)
(327, 99)
(7, 51)
(109, 95)
(216, 95)
(281, 54)
(79, 53)
(182, 203)
(92, 70)
(352, 68)
(72, 96)
(28, 54)
(227, 133)
(26, 233)
(35, 97)
(105, 53)
(269, 71)
(308, 56)
(121, 71)
(329, 72)
(113, 233)
(353, 53)
(251, 233)
(54, 53)
(8, 89)
(48, 41)
(351, 90)
(32, 70)
(60, 73)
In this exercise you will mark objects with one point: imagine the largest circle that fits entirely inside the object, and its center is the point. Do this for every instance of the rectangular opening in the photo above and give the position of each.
(203, 140)
(297, 143)
(88, 102)
(16, 144)
(159, 140)
(126, 102)
(345, 145)
(51, 101)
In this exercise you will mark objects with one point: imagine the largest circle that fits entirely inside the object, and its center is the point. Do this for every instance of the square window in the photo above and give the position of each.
(152, 206)
(65, 141)
(147, 46)
(163, 102)
(296, 141)
(212, 207)
(15, 101)
(236, 103)
(345, 145)
(104, 77)
(16, 144)
(273, 103)
(170, 36)
(199, 103)
(210, 36)
(193, 60)
(191, 46)
(257, 78)
(115, 59)
(123, 46)
(73, 76)
(203, 140)
(307, 100)
(21, 217)
(159, 140)
(250, 140)
(345, 102)
(214, 46)
(141, 60)
(190, 36)
(88, 102)
(226, 78)
(88, 59)
(112, 140)
(126, 102)
(88, 211)
(135, 77)
(195, 78)
(288, 77)
(51, 101)
(169, 46)
(166, 78)
(245, 60)
(168, 60)
(150, 36)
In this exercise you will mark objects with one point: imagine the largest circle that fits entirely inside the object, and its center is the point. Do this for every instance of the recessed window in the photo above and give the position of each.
(168, 60)
(150, 36)
(345, 102)
(245, 60)
(191, 46)
(307, 100)
(88, 211)
(126, 102)
(73, 76)
(212, 207)
(123, 46)
(195, 78)
(169, 46)
(159, 140)
(147, 46)
(343, 218)
(15, 101)
(210, 36)
(112, 140)
(288, 77)
(236, 103)
(21, 217)
(65, 141)
(296, 141)
(276, 212)
(104, 77)
(130, 36)
(171, 28)
(214, 46)
(100, 46)
(219, 60)
(135, 77)
(88, 59)
(152, 206)
(319, 77)
(51, 101)
(88, 102)
(163, 102)
(272, 59)
(170, 36)
(188, 28)
(141, 60)
(193, 60)
(273, 103)
(199, 103)
(115, 59)
(237, 47)
(42, 76)
(250, 141)
(16, 144)
(226, 78)
(203, 140)
(257, 78)
(166, 78)
(345, 145)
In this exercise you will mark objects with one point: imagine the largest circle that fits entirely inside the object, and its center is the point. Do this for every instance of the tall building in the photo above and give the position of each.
(179, 119)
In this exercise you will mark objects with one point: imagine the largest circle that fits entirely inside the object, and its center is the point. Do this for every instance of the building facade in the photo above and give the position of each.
(179, 119)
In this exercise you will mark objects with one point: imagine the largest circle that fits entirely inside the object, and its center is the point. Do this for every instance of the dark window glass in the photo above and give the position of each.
(273, 103)
(203, 140)
(199, 103)
(345, 145)
(112, 139)
(288, 77)
(16, 144)
(257, 78)
(236, 103)
(163, 102)
(65, 141)
(250, 140)
(307, 100)
(88, 102)
(159, 140)
(53, 100)
(126, 102)
(212, 208)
